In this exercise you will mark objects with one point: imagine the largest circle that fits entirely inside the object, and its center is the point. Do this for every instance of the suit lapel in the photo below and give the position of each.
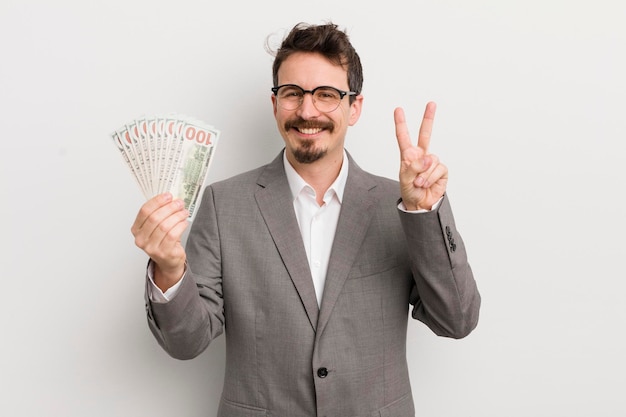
(275, 203)
(353, 223)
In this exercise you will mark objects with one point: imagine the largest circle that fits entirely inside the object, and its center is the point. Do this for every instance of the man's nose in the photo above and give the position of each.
(307, 108)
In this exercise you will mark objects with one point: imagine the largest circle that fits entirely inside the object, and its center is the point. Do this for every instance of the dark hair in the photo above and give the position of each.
(326, 40)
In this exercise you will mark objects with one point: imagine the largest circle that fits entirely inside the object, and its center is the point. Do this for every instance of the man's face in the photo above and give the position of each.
(311, 135)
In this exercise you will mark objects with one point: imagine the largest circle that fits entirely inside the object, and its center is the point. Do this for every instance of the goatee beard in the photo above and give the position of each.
(307, 153)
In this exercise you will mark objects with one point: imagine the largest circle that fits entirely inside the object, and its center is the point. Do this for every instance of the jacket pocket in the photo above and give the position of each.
(232, 409)
(371, 267)
(402, 407)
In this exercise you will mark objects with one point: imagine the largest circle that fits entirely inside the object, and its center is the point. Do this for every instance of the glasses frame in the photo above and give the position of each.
(342, 94)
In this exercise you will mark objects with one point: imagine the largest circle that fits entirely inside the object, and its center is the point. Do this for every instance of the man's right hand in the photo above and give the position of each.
(158, 229)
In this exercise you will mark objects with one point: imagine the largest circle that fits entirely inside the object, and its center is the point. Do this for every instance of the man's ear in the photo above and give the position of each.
(355, 110)
(273, 97)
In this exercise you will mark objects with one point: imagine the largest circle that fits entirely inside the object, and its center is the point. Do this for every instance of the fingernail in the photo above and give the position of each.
(419, 181)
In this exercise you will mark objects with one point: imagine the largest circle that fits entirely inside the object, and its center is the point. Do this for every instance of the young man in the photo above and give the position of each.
(310, 264)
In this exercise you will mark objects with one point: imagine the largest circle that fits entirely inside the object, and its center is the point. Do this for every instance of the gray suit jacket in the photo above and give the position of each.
(248, 275)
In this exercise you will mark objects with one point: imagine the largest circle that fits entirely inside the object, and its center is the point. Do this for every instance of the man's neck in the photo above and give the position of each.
(319, 174)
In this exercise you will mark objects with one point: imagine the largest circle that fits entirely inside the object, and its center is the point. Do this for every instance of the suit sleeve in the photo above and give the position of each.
(185, 325)
(445, 296)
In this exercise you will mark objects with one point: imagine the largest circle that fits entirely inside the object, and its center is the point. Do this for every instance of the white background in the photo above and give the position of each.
(531, 122)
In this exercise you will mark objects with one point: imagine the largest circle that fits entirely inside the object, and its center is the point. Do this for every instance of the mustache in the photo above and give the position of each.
(300, 123)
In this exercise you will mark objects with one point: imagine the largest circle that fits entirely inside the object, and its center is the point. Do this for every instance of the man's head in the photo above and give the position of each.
(317, 79)
(326, 40)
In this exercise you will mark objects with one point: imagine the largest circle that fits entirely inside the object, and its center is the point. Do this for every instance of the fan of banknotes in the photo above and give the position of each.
(168, 153)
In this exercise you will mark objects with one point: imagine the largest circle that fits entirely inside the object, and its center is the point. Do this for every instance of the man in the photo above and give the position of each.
(309, 263)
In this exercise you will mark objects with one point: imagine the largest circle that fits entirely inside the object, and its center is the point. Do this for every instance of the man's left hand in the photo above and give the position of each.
(423, 179)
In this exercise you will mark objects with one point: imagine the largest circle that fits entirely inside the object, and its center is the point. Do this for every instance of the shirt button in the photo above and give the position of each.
(322, 372)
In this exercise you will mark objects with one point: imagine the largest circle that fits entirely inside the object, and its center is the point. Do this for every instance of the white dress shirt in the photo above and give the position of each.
(317, 223)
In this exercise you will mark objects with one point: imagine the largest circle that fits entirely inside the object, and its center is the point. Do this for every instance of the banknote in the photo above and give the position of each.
(171, 152)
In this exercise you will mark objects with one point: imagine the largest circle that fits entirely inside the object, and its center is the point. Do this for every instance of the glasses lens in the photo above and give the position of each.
(326, 99)
(290, 97)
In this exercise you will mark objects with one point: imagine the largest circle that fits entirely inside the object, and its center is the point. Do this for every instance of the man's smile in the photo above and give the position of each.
(309, 130)
(309, 127)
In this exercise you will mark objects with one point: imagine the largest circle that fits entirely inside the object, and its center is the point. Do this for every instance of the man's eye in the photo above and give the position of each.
(327, 95)
(289, 91)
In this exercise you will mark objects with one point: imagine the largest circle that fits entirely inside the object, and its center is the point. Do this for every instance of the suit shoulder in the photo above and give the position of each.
(384, 181)
(383, 185)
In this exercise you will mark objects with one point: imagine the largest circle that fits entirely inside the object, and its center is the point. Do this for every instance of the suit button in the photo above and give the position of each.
(322, 372)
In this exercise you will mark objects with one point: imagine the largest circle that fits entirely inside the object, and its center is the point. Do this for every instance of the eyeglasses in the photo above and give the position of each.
(325, 99)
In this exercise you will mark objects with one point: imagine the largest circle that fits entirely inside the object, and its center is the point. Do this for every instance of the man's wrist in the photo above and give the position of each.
(167, 279)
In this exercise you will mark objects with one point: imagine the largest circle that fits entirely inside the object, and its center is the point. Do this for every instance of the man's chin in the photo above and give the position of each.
(308, 155)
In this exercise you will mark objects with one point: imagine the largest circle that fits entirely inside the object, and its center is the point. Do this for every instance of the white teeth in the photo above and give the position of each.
(310, 131)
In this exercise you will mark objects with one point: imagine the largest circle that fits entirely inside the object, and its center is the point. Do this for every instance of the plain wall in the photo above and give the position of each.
(531, 122)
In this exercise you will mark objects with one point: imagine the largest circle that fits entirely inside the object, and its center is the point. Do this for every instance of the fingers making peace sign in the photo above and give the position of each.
(423, 178)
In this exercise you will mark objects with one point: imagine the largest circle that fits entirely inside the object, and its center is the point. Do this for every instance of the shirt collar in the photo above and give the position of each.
(297, 184)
